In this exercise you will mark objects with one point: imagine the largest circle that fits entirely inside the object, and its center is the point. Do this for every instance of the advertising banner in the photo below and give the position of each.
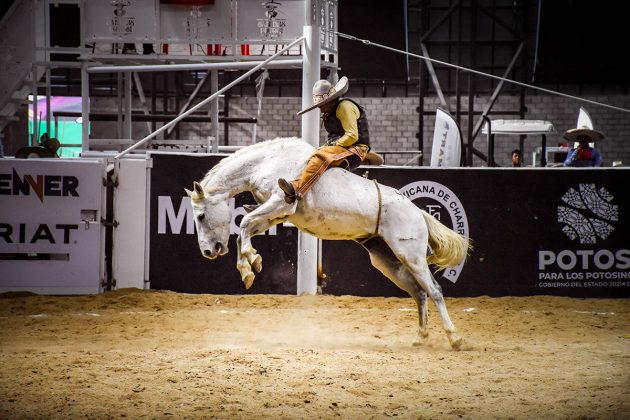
(176, 262)
(50, 225)
(534, 231)
(271, 21)
(204, 23)
(128, 21)
(447, 149)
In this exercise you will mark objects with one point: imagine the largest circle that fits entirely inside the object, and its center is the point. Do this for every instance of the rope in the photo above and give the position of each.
(380, 207)
(492, 76)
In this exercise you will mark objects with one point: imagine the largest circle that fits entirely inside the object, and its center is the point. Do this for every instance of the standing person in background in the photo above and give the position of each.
(583, 155)
(517, 158)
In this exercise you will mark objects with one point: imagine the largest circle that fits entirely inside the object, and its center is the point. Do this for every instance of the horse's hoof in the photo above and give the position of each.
(417, 342)
(256, 263)
(456, 341)
(248, 280)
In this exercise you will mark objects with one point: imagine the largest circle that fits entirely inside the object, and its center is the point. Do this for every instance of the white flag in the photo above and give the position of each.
(447, 149)
(584, 121)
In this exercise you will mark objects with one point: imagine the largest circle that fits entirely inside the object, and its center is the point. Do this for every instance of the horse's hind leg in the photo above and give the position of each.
(412, 255)
(423, 275)
(384, 260)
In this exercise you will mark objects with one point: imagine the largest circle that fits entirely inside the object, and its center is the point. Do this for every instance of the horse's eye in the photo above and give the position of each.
(200, 217)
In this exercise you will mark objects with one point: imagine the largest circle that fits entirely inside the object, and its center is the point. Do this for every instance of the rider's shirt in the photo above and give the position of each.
(347, 124)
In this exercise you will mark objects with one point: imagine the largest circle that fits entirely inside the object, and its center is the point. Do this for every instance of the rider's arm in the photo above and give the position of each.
(348, 114)
(597, 157)
(570, 157)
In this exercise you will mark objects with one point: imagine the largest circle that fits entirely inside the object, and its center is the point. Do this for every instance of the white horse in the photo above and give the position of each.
(341, 205)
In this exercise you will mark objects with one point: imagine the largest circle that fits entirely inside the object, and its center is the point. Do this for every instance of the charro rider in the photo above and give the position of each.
(348, 142)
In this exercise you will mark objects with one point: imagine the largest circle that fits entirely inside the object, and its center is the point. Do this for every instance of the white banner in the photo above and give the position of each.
(584, 120)
(50, 225)
(447, 149)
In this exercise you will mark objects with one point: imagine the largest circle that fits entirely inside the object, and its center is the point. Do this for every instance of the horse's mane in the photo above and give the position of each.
(267, 144)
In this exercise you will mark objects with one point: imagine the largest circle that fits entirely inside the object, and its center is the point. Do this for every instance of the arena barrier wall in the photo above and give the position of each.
(535, 232)
(51, 235)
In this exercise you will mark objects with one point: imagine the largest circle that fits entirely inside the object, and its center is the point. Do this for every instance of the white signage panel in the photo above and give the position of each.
(205, 23)
(328, 21)
(50, 225)
(269, 21)
(121, 20)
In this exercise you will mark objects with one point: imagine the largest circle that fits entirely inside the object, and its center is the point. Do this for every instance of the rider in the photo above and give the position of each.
(348, 138)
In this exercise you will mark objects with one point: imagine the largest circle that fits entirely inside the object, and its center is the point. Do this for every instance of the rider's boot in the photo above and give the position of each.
(289, 191)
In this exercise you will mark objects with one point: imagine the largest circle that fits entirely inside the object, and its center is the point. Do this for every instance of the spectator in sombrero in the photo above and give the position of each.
(584, 155)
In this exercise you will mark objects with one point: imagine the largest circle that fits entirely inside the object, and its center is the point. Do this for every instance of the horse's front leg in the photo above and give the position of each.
(255, 223)
(243, 266)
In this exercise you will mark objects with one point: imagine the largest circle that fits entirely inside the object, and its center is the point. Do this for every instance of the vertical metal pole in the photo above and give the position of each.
(85, 108)
(35, 141)
(119, 101)
(307, 244)
(227, 79)
(214, 109)
(471, 83)
(458, 90)
(178, 94)
(35, 110)
(127, 124)
(48, 110)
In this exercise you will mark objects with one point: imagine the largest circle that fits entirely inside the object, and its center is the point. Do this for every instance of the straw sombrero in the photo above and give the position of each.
(324, 92)
(574, 133)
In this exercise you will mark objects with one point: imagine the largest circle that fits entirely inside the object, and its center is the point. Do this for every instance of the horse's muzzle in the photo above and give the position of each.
(219, 249)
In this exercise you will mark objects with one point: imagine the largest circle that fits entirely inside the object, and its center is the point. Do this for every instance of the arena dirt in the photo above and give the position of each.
(147, 354)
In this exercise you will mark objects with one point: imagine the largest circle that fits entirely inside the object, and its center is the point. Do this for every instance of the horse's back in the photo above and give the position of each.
(342, 205)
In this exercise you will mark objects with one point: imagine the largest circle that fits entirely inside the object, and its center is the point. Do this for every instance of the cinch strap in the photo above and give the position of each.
(380, 206)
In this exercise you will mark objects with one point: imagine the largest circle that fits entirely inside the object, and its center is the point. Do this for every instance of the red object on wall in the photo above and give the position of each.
(245, 49)
(188, 2)
(164, 48)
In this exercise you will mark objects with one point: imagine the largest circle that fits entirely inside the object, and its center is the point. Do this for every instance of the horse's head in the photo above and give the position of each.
(212, 219)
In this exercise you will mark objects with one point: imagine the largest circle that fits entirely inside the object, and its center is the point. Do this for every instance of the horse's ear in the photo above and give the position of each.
(198, 189)
(188, 192)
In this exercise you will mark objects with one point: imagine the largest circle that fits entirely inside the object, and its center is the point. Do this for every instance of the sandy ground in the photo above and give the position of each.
(150, 354)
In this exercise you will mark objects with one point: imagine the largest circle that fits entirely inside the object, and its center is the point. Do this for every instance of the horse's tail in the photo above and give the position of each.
(449, 247)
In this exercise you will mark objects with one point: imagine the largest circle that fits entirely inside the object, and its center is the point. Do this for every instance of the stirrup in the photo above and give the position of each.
(287, 188)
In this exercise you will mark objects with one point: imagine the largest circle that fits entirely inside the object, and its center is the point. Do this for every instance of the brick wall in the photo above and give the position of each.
(394, 124)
